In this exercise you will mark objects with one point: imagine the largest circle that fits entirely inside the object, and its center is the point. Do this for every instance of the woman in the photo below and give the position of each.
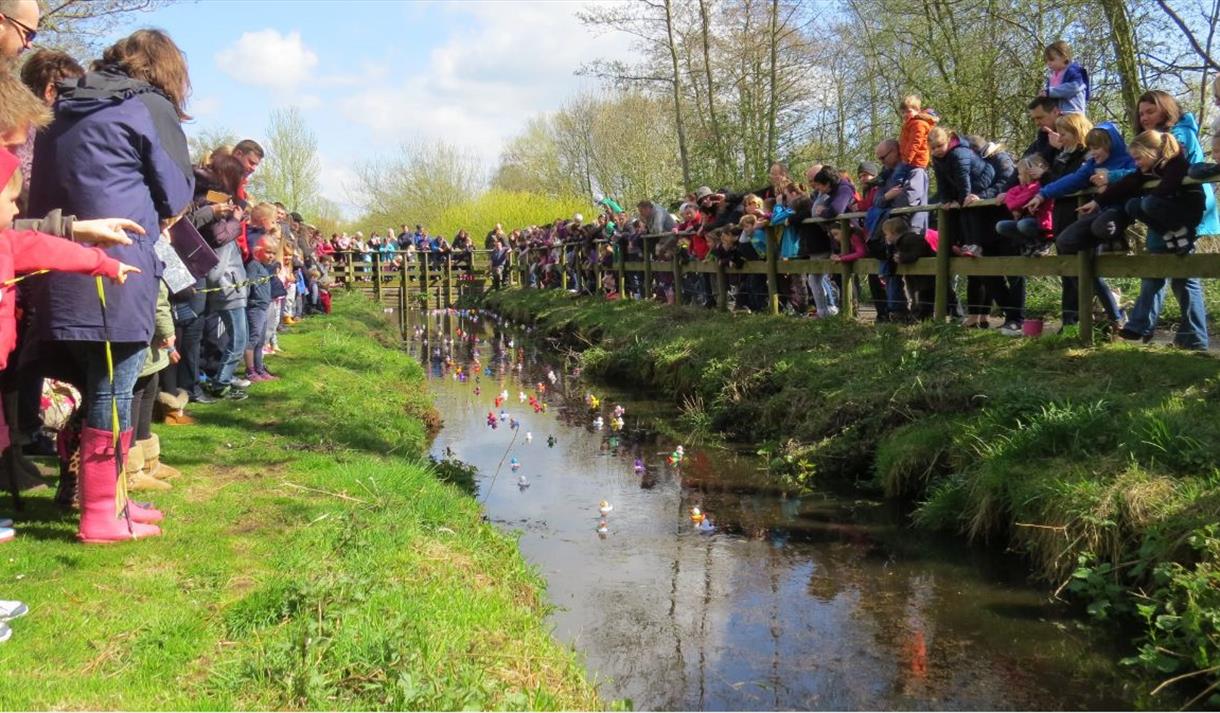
(961, 176)
(221, 227)
(1159, 111)
(1004, 176)
(116, 148)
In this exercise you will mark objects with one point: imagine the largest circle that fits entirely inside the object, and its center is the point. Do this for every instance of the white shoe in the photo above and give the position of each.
(6, 522)
(240, 383)
(5, 632)
(10, 610)
(7, 533)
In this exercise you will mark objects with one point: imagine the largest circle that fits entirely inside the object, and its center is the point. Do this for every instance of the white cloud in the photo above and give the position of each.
(205, 106)
(269, 59)
(505, 63)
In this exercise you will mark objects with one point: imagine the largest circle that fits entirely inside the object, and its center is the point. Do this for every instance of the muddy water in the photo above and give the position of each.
(812, 601)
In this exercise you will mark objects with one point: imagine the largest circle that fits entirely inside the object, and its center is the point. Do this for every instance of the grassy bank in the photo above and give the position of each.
(1100, 465)
(311, 560)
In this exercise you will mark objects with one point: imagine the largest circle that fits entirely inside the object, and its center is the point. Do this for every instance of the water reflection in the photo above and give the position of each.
(797, 601)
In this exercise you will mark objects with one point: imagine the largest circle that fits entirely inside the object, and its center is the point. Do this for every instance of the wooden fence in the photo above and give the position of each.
(1086, 265)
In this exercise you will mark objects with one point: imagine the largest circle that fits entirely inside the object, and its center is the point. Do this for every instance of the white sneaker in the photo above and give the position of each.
(10, 610)
(7, 533)
(5, 632)
(240, 383)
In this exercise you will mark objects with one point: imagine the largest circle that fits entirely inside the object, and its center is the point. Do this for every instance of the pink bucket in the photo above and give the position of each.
(1031, 327)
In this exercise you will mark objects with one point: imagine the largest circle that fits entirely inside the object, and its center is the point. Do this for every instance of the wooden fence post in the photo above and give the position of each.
(773, 269)
(848, 309)
(679, 298)
(1087, 267)
(621, 258)
(377, 276)
(722, 288)
(423, 280)
(944, 278)
(351, 271)
(646, 289)
(563, 266)
(448, 280)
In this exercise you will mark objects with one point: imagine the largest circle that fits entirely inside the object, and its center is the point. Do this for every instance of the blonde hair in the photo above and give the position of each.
(1076, 124)
(747, 222)
(1030, 162)
(937, 136)
(1058, 48)
(1160, 146)
(265, 212)
(895, 226)
(270, 245)
(19, 108)
(14, 181)
(751, 200)
(912, 102)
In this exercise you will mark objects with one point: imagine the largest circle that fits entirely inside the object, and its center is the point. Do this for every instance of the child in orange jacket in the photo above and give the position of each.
(913, 151)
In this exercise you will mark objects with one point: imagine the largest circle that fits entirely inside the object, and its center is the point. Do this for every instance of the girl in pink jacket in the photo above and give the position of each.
(1031, 230)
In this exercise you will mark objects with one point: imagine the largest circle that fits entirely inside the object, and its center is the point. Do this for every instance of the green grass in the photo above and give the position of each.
(311, 560)
(1079, 458)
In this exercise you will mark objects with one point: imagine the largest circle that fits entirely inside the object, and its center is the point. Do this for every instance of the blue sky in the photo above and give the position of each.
(371, 74)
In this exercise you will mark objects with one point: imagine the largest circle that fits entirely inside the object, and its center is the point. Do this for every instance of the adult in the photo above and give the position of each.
(251, 155)
(1004, 171)
(116, 148)
(496, 233)
(1044, 112)
(18, 28)
(961, 174)
(1159, 111)
(897, 190)
(656, 219)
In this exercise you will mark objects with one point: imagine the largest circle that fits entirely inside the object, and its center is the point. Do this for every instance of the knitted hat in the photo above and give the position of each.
(8, 166)
(872, 168)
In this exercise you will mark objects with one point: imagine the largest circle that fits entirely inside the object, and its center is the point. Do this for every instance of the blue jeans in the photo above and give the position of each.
(99, 390)
(1192, 332)
(256, 321)
(1023, 230)
(234, 321)
(1086, 234)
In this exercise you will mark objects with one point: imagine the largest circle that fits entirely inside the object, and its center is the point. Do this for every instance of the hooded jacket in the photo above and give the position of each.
(913, 139)
(1072, 91)
(1186, 131)
(961, 172)
(115, 150)
(1119, 160)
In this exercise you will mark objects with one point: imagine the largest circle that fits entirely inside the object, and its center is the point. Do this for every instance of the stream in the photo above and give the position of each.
(819, 600)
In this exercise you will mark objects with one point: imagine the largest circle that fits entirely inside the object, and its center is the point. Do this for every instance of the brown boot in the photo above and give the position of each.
(152, 460)
(138, 477)
(179, 417)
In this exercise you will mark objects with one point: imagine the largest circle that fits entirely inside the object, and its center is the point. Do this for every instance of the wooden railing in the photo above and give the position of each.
(1085, 265)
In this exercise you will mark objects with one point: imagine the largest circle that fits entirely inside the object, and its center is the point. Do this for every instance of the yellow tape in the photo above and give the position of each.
(15, 280)
(247, 283)
(120, 491)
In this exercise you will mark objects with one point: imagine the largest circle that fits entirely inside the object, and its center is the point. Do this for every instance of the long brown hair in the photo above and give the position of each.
(228, 172)
(1168, 106)
(151, 56)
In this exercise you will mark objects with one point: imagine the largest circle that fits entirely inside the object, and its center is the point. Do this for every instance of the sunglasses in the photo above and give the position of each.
(27, 33)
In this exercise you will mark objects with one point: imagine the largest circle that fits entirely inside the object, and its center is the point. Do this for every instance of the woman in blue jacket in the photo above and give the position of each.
(1092, 231)
(116, 148)
(1159, 111)
(962, 177)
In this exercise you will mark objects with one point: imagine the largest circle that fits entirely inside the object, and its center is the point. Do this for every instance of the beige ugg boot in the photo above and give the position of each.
(137, 471)
(152, 460)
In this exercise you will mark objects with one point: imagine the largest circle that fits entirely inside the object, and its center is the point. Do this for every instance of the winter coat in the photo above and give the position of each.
(1016, 198)
(24, 250)
(1004, 171)
(115, 150)
(913, 139)
(961, 172)
(914, 192)
(1119, 160)
(1188, 198)
(1065, 163)
(1072, 91)
(1186, 131)
(841, 199)
(258, 274)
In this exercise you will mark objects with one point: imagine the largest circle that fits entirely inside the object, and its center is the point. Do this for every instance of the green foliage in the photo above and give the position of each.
(512, 210)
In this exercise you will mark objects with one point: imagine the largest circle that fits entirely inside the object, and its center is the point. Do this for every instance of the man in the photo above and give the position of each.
(911, 190)
(404, 238)
(251, 155)
(1044, 111)
(18, 27)
(656, 219)
(496, 233)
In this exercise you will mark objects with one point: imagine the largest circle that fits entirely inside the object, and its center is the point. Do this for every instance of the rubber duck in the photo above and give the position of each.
(529, 437)
(498, 402)
(616, 424)
(550, 375)
(550, 441)
(514, 424)
(523, 482)
(521, 397)
(504, 395)
(619, 411)
(639, 466)
(598, 423)
(705, 526)
(696, 515)
(602, 528)
(491, 419)
(477, 391)
(604, 507)
(514, 464)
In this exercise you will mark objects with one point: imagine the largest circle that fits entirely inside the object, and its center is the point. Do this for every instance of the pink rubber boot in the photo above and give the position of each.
(98, 483)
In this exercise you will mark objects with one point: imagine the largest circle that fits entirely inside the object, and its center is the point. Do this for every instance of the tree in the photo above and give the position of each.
(76, 26)
(204, 141)
(417, 185)
(289, 171)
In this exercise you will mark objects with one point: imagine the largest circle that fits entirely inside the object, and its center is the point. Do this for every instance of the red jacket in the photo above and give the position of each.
(24, 251)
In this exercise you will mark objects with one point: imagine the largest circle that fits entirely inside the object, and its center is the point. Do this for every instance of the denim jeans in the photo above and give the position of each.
(1192, 332)
(99, 391)
(1025, 229)
(1086, 234)
(189, 343)
(234, 321)
(256, 320)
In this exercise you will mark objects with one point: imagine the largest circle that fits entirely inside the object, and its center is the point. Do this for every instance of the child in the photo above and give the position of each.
(1032, 230)
(913, 150)
(1066, 80)
(859, 249)
(260, 270)
(909, 246)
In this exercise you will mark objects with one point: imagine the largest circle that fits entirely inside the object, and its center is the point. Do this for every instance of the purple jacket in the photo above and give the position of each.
(115, 150)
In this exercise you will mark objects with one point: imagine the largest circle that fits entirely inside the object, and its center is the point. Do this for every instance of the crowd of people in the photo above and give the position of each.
(1000, 204)
(133, 282)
